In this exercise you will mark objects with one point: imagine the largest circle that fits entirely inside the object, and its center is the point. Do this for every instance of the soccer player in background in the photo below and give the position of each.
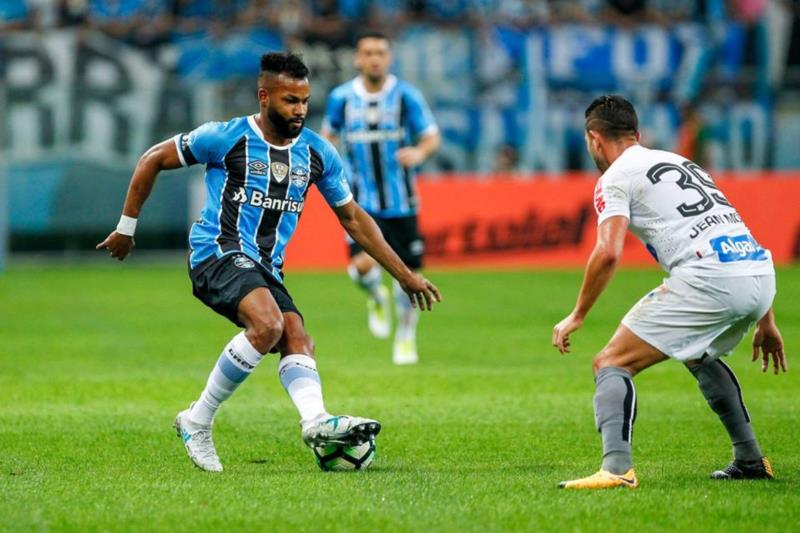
(385, 130)
(258, 171)
(720, 282)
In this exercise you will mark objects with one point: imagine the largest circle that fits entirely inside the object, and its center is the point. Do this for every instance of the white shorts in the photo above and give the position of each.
(687, 316)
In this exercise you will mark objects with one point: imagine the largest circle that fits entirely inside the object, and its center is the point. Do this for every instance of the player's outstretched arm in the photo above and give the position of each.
(599, 271)
(162, 156)
(363, 229)
(767, 342)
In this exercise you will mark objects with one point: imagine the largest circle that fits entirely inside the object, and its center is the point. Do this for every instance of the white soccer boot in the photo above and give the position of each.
(404, 352)
(348, 430)
(378, 314)
(197, 441)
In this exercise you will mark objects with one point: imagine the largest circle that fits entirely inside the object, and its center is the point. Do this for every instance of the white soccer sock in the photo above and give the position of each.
(371, 282)
(298, 375)
(407, 315)
(236, 362)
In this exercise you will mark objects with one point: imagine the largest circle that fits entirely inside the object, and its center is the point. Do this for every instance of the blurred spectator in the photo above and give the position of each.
(447, 11)
(72, 12)
(194, 17)
(259, 13)
(693, 136)
(14, 14)
(517, 13)
(794, 42)
(628, 13)
(506, 160)
(675, 11)
(583, 11)
(323, 22)
(388, 14)
(144, 23)
(59, 13)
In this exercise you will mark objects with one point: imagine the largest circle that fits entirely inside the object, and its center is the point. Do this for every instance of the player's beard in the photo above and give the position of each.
(283, 126)
(376, 79)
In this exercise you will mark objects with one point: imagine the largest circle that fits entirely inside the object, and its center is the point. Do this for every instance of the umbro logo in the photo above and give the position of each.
(258, 168)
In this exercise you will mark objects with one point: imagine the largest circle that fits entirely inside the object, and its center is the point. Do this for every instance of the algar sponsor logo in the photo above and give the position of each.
(738, 248)
(259, 199)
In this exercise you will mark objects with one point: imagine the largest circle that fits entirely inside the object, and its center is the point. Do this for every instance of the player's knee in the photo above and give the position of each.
(600, 361)
(297, 343)
(362, 263)
(265, 332)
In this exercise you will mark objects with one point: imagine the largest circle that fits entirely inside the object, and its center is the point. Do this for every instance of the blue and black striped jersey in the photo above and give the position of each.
(255, 191)
(371, 127)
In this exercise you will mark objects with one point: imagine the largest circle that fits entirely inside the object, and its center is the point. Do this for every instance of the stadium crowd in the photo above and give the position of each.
(148, 23)
(750, 50)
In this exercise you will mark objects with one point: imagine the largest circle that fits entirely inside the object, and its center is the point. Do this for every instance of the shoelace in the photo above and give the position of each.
(205, 446)
(732, 470)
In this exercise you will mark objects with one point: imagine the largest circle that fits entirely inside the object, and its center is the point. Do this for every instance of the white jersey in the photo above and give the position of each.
(676, 210)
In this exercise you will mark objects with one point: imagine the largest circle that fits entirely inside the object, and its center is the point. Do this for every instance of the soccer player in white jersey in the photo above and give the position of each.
(720, 282)
(385, 129)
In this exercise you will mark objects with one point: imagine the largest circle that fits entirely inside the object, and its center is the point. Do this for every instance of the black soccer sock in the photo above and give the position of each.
(615, 413)
(721, 389)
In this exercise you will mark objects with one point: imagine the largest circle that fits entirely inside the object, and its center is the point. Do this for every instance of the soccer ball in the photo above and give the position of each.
(336, 457)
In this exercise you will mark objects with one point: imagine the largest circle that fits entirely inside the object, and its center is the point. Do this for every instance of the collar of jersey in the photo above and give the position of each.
(361, 90)
(620, 161)
(252, 121)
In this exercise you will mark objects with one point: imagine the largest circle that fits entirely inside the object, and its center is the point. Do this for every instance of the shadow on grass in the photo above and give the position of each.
(283, 467)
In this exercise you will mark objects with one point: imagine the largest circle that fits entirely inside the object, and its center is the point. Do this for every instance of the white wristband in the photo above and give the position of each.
(126, 226)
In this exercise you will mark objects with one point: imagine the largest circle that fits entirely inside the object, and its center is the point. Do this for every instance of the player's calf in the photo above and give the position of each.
(723, 393)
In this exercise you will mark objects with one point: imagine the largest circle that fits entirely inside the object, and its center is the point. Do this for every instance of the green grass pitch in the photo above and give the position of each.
(96, 360)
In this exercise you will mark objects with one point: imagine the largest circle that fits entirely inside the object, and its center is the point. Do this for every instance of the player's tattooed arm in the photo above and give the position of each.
(363, 229)
(599, 270)
(162, 156)
(767, 342)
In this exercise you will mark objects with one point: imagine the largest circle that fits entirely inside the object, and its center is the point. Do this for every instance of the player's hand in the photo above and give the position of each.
(119, 246)
(422, 292)
(410, 156)
(562, 330)
(767, 342)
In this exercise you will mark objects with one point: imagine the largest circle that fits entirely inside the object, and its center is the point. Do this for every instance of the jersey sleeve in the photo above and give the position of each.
(333, 120)
(200, 145)
(333, 181)
(612, 196)
(418, 114)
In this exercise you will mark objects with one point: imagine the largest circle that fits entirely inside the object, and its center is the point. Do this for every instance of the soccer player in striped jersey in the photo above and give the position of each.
(386, 130)
(258, 171)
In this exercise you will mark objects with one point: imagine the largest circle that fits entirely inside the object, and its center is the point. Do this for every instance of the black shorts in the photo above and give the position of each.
(403, 236)
(221, 283)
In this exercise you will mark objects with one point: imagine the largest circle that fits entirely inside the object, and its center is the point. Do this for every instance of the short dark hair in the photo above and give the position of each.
(287, 63)
(371, 34)
(612, 116)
